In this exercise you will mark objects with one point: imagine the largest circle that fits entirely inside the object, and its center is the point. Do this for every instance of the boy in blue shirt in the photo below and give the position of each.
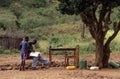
(24, 52)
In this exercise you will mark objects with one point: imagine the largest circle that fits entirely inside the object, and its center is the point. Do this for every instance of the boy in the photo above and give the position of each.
(24, 52)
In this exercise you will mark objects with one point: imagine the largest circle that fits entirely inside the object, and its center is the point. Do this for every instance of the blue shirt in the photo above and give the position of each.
(24, 45)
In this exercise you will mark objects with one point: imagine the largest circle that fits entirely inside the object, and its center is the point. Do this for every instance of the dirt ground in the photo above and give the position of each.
(58, 72)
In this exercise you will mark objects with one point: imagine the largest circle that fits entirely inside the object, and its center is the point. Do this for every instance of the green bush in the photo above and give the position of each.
(114, 46)
(6, 51)
(5, 3)
(35, 3)
(91, 47)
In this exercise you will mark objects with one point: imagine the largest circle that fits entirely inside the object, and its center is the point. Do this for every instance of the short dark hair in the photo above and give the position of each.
(26, 38)
(34, 41)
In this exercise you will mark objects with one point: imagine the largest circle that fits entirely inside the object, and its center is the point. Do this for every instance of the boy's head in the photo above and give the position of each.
(34, 41)
(26, 38)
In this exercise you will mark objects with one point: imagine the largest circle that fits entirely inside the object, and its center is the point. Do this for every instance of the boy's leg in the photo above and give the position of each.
(22, 65)
(42, 60)
(34, 63)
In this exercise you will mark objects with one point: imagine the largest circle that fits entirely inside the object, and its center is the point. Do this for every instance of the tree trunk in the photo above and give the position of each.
(102, 54)
(83, 31)
(17, 23)
(99, 52)
(106, 55)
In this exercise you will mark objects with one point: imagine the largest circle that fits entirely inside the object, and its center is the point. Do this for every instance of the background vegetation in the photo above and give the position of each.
(40, 19)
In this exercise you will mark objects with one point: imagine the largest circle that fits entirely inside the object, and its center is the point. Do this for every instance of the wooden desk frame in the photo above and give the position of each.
(76, 53)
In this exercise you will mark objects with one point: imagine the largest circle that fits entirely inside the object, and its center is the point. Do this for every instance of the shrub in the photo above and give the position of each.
(6, 51)
(43, 45)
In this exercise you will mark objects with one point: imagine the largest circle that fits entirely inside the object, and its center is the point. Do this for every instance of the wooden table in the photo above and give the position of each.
(75, 55)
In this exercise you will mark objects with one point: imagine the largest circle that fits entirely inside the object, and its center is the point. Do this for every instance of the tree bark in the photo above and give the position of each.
(99, 52)
(106, 55)
(106, 49)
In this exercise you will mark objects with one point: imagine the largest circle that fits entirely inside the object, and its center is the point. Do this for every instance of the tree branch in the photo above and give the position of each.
(94, 11)
(86, 19)
(116, 30)
(107, 21)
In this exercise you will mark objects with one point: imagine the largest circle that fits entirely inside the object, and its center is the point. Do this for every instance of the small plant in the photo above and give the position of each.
(6, 51)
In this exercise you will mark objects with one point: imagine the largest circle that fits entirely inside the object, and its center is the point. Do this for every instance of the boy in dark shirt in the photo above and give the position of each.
(35, 59)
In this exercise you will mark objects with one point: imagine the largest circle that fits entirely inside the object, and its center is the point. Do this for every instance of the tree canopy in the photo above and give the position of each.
(96, 14)
(78, 6)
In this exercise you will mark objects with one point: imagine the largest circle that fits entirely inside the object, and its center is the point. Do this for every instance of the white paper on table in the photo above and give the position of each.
(35, 54)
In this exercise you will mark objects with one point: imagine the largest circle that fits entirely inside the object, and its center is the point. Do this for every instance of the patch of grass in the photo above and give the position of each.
(6, 51)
